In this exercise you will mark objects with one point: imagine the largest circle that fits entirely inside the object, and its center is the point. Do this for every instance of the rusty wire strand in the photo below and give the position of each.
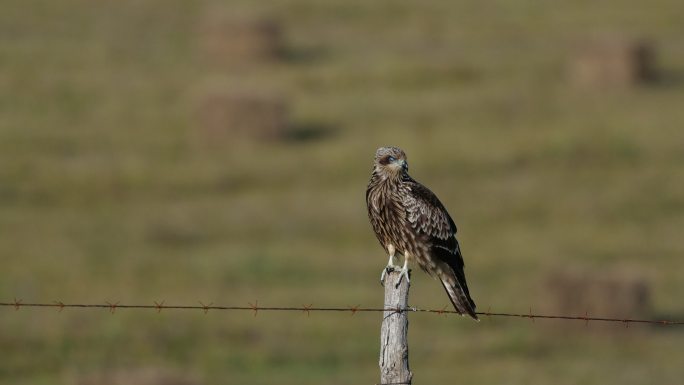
(306, 309)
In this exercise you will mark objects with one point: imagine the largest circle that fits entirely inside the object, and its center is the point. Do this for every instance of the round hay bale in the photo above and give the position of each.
(228, 40)
(226, 115)
(612, 62)
(611, 294)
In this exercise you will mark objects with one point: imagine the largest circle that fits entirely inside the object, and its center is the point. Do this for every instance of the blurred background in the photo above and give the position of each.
(219, 152)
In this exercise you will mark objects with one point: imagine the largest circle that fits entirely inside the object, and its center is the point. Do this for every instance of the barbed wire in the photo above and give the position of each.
(18, 304)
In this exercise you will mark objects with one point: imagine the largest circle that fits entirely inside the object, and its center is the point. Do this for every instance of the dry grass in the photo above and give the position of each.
(140, 376)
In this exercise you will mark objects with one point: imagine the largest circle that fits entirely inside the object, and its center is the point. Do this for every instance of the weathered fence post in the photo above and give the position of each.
(394, 362)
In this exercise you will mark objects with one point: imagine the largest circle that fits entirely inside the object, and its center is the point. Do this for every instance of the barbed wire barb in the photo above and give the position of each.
(255, 307)
(61, 306)
(159, 306)
(112, 306)
(206, 307)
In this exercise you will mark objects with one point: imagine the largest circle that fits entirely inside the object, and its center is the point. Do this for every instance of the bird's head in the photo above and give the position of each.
(390, 161)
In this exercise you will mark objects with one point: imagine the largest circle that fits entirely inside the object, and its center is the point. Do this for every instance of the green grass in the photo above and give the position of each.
(108, 191)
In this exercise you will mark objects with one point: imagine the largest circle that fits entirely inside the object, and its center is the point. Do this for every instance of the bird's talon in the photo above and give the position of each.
(403, 272)
(387, 269)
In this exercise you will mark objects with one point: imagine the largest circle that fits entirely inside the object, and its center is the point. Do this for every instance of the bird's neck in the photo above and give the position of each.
(390, 177)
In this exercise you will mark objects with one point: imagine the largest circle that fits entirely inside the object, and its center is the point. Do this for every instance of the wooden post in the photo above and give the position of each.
(394, 363)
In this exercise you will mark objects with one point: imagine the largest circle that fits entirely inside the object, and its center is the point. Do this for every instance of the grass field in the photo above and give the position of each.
(109, 192)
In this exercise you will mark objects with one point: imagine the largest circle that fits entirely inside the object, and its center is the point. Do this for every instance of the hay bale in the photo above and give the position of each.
(228, 40)
(225, 115)
(613, 294)
(612, 62)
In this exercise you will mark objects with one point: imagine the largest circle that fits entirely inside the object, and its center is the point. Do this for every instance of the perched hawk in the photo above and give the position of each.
(409, 219)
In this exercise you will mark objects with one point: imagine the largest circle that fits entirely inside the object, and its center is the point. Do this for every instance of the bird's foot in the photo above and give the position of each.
(403, 272)
(388, 269)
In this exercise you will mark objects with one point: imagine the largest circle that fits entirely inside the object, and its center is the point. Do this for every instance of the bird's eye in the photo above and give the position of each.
(391, 159)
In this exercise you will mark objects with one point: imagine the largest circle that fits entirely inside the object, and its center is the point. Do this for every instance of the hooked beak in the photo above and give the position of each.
(403, 164)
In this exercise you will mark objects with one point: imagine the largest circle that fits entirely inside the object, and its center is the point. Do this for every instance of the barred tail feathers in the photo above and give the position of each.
(448, 267)
(458, 294)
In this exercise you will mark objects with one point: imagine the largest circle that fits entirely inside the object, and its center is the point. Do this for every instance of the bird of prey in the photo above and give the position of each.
(409, 219)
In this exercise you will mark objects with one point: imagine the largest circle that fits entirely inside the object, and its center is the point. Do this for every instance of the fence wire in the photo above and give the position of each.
(307, 309)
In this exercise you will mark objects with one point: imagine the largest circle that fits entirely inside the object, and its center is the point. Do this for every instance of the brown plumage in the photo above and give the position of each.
(409, 219)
